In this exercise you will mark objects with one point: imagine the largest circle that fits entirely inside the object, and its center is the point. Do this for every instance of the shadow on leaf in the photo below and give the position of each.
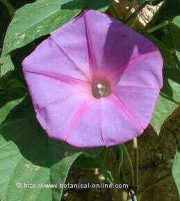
(22, 128)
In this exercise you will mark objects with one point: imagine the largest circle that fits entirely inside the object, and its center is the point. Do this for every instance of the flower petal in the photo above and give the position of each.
(49, 58)
(71, 40)
(139, 100)
(87, 132)
(117, 127)
(104, 123)
(60, 117)
(112, 43)
(45, 91)
(144, 71)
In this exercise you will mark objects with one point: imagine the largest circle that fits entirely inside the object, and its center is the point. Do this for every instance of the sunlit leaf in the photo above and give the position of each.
(164, 108)
(6, 64)
(43, 17)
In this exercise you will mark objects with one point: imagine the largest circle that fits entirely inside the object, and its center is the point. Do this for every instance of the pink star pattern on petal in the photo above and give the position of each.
(94, 82)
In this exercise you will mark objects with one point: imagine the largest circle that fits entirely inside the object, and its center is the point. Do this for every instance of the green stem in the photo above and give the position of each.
(130, 163)
(9, 7)
(136, 155)
(158, 26)
(107, 175)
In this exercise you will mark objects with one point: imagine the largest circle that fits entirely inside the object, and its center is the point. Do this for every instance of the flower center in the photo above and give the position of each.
(100, 89)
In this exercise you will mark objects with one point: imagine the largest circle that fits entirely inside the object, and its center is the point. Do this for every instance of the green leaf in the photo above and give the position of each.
(15, 84)
(169, 97)
(88, 4)
(176, 170)
(43, 17)
(35, 20)
(91, 160)
(171, 88)
(6, 64)
(5, 110)
(28, 158)
(175, 32)
(18, 173)
(164, 108)
(62, 157)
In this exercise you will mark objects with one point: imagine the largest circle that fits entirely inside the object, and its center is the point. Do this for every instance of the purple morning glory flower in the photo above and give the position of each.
(94, 82)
